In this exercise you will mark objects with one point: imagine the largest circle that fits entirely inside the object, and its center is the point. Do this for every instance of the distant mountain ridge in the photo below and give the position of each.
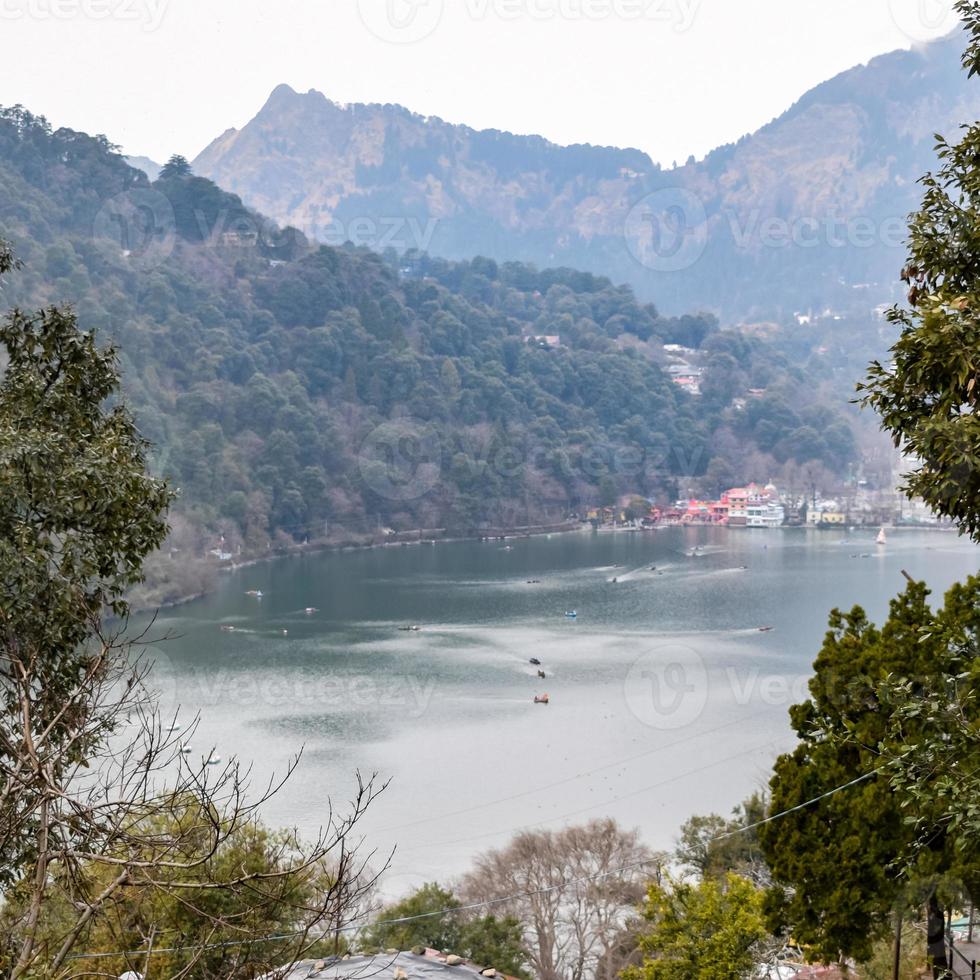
(150, 167)
(806, 213)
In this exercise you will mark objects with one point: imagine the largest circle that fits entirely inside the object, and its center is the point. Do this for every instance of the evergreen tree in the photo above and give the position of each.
(176, 167)
(848, 862)
(928, 396)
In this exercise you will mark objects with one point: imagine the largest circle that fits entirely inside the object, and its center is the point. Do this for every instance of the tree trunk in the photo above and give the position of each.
(897, 974)
(937, 939)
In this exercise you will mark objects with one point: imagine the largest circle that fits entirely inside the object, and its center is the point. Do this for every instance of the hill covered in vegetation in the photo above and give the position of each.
(295, 391)
(807, 213)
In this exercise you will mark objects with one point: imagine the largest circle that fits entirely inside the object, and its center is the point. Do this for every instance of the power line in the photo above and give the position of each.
(489, 903)
(482, 806)
(596, 806)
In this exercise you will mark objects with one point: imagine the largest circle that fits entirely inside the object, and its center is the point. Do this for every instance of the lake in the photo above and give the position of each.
(665, 698)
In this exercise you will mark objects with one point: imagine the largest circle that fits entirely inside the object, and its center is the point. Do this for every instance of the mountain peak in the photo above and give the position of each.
(853, 146)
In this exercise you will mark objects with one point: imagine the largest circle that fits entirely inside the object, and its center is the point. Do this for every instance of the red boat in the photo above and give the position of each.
(542, 699)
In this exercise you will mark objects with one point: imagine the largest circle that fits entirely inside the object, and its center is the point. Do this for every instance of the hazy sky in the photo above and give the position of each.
(672, 77)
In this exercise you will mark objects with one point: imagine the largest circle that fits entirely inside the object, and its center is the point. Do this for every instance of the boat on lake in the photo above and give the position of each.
(571, 614)
(882, 537)
(542, 699)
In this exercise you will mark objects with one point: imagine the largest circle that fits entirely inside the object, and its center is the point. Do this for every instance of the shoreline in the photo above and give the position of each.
(399, 540)
(436, 536)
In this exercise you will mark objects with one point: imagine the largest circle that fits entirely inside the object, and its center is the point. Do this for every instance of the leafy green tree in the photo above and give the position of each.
(849, 860)
(607, 492)
(497, 943)
(78, 514)
(711, 930)
(435, 931)
(638, 508)
(487, 941)
(933, 741)
(195, 927)
(928, 397)
(99, 808)
(712, 846)
(176, 167)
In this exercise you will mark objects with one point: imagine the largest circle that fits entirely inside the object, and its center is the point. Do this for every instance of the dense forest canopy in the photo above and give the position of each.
(289, 387)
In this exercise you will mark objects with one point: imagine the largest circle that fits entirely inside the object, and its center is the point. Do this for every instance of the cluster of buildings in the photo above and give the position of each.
(765, 506)
(751, 506)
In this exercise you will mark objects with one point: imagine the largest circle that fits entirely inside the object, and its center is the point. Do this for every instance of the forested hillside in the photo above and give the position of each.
(293, 391)
(804, 214)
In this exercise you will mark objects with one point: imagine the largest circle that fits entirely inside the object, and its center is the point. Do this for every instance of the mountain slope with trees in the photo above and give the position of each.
(806, 213)
(292, 389)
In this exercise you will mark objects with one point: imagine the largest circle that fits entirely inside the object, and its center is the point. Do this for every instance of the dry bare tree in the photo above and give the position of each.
(574, 899)
(104, 823)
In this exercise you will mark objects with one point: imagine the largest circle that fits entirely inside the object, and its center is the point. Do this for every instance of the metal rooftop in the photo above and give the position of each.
(388, 966)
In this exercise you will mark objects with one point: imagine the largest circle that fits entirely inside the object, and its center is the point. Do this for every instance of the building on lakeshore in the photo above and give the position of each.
(754, 506)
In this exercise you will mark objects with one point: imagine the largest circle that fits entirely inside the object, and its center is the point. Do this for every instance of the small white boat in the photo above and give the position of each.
(214, 760)
(186, 749)
(882, 537)
(571, 614)
(309, 610)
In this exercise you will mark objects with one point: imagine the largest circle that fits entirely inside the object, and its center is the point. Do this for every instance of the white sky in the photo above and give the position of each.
(672, 77)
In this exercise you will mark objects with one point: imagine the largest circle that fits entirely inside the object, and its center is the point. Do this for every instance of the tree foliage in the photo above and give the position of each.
(712, 846)
(265, 370)
(78, 514)
(197, 929)
(850, 860)
(927, 398)
(709, 930)
(107, 828)
(484, 940)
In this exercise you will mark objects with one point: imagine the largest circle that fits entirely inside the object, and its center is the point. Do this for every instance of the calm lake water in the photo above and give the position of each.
(666, 699)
